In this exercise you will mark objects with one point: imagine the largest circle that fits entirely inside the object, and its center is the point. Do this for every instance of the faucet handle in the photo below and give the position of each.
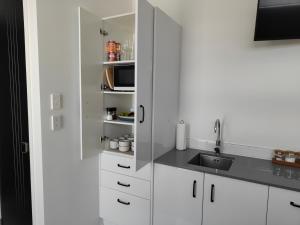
(217, 150)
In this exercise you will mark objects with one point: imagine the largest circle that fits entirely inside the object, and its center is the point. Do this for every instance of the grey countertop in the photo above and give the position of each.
(243, 168)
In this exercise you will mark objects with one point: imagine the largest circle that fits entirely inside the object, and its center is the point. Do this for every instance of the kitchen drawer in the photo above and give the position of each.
(124, 166)
(129, 185)
(123, 209)
(283, 207)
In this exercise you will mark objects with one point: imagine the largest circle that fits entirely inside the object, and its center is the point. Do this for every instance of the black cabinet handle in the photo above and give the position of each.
(294, 204)
(143, 111)
(212, 193)
(124, 203)
(25, 150)
(124, 167)
(124, 185)
(194, 188)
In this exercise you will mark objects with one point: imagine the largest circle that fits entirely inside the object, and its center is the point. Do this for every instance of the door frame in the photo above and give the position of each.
(34, 110)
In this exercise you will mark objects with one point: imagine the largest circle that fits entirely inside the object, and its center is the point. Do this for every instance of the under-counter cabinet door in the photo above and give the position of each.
(233, 202)
(178, 196)
(143, 78)
(90, 54)
(284, 207)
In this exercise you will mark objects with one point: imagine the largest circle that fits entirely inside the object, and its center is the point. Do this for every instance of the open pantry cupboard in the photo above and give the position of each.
(151, 43)
(135, 31)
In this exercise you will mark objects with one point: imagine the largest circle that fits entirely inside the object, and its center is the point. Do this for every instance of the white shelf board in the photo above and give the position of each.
(119, 122)
(123, 62)
(129, 154)
(119, 92)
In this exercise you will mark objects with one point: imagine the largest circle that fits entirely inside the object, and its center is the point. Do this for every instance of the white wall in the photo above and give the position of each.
(70, 185)
(253, 86)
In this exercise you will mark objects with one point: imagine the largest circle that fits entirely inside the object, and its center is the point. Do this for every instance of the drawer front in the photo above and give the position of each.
(129, 185)
(123, 209)
(284, 207)
(124, 166)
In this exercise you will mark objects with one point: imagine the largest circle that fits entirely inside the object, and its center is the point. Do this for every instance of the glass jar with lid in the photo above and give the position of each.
(290, 157)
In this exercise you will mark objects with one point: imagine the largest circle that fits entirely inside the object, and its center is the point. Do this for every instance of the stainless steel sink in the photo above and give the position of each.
(212, 161)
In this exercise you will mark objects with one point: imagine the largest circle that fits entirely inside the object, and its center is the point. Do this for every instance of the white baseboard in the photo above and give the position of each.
(233, 148)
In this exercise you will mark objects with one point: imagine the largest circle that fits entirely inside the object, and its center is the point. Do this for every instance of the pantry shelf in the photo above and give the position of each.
(124, 62)
(119, 122)
(129, 154)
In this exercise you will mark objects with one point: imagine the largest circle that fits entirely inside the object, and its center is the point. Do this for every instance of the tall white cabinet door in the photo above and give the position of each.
(284, 207)
(144, 60)
(233, 202)
(90, 67)
(166, 70)
(177, 196)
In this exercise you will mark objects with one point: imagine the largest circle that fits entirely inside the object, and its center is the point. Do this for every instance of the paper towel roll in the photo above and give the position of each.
(181, 136)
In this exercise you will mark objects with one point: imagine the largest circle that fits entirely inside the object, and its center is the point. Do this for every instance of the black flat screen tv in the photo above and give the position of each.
(277, 20)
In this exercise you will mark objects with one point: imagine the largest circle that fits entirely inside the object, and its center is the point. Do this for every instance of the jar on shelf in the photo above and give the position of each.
(279, 155)
(290, 157)
(111, 113)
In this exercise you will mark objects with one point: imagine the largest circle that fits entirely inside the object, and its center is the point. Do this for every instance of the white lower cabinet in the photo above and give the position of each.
(177, 196)
(234, 202)
(123, 209)
(283, 207)
(125, 195)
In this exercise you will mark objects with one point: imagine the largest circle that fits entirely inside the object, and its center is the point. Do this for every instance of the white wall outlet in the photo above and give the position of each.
(56, 122)
(55, 102)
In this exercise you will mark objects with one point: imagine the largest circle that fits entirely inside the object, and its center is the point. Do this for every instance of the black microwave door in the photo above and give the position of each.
(124, 76)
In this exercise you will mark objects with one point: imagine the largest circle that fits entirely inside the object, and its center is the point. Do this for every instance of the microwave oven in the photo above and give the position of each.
(121, 78)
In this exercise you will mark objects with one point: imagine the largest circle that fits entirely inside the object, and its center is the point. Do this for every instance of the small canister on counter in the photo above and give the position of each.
(298, 157)
(279, 155)
(290, 157)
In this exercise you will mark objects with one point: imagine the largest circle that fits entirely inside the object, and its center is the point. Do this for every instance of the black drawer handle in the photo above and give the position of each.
(194, 188)
(294, 204)
(124, 167)
(212, 193)
(143, 111)
(124, 203)
(124, 185)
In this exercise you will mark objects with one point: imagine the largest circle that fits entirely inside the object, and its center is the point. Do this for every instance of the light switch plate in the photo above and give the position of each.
(56, 122)
(55, 101)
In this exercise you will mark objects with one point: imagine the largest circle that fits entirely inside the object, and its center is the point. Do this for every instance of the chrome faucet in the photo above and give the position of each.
(218, 132)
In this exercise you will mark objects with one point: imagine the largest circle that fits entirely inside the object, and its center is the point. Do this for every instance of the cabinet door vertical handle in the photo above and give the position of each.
(25, 150)
(294, 204)
(194, 188)
(143, 114)
(212, 193)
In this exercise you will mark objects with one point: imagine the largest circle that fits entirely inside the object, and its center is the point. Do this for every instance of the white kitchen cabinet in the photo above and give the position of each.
(177, 196)
(125, 182)
(234, 202)
(134, 29)
(283, 207)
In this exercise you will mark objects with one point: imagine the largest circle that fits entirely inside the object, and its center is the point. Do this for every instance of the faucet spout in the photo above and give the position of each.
(217, 130)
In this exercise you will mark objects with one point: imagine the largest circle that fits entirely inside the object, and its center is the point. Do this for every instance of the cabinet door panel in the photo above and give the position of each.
(143, 76)
(233, 202)
(281, 209)
(90, 45)
(123, 209)
(178, 196)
